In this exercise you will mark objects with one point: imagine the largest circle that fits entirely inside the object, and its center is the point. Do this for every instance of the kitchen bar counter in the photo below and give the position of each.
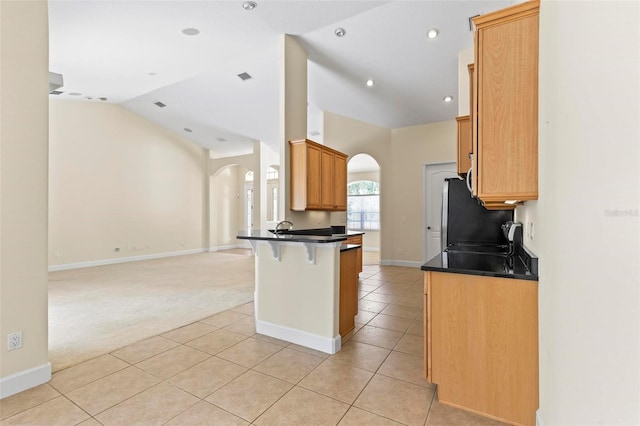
(258, 235)
(523, 266)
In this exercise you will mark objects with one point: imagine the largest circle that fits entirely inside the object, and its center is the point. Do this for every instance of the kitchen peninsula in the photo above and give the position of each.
(298, 285)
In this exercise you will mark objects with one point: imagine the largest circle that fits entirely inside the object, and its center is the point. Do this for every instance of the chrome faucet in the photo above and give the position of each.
(283, 222)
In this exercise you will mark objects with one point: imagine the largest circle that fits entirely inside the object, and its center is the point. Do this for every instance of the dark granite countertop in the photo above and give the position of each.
(522, 266)
(269, 236)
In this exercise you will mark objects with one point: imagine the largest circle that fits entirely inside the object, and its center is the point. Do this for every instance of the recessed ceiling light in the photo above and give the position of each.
(433, 33)
(75, 94)
(103, 99)
(244, 76)
(314, 133)
(370, 83)
(152, 73)
(249, 5)
(188, 130)
(447, 99)
(56, 92)
(221, 139)
(191, 31)
(159, 104)
(340, 32)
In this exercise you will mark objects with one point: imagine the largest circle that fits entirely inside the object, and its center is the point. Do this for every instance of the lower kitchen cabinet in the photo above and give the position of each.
(356, 239)
(481, 344)
(348, 291)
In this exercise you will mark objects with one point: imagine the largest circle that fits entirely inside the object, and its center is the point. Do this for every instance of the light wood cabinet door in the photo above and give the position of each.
(506, 104)
(318, 177)
(327, 176)
(356, 239)
(481, 344)
(340, 182)
(348, 291)
(464, 144)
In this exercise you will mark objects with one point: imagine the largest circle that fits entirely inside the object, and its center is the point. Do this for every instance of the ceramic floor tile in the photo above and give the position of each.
(397, 400)
(444, 415)
(81, 374)
(249, 395)
(57, 411)
(246, 326)
(224, 318)
(409, 312)
(188, 333)
(377, 336)
(367, 287)
(361, 355)
(28, 399)
(409, 368)
(205, 414)
(303, 407)
(205, 378)
(270, 339)
(392, 289)
(104, 393)
(289, 365)
(357, 417)
(337, 380)
(145, 349)
(216, 341)
(309, 351)
(173, 361)
(250, 352)
(246, 309)
(411, 344)
(90, 422)
(406, 300)
(364, 317)
(380, 297)
(391, 323)
(368, 305)
(417, 327)
(152, 407)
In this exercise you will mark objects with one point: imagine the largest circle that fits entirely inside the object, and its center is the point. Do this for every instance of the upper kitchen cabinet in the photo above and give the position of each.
(505, 106)
(318, 177)
(463, 125)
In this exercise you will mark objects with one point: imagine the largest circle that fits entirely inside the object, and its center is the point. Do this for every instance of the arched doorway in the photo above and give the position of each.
(363, 203)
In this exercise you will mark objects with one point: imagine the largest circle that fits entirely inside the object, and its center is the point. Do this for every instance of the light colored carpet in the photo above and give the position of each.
(94, 311)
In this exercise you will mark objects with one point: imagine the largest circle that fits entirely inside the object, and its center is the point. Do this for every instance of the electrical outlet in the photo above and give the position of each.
(14, 341)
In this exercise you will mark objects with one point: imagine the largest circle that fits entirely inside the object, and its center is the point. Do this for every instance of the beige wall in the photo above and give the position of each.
(23, 193)
(118, 180)
(588, 159)
(227, 206)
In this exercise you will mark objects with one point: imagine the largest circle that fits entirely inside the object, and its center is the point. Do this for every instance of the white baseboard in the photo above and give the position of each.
(299, 337)
(230, 247)
(539, 418)
(405, 263)
(103, 262)
(24, 380)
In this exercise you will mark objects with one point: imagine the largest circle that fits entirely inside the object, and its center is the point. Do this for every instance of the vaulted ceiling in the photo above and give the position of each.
(136, 53)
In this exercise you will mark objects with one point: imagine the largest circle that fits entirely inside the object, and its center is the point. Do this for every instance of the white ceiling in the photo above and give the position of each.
(110, 49)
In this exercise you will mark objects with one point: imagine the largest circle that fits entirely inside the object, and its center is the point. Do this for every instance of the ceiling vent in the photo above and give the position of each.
(221, 139)
(244, 76)
(56, 92)
(159, 104)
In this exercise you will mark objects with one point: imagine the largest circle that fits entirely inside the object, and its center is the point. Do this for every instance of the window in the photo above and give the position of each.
(363, 205)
